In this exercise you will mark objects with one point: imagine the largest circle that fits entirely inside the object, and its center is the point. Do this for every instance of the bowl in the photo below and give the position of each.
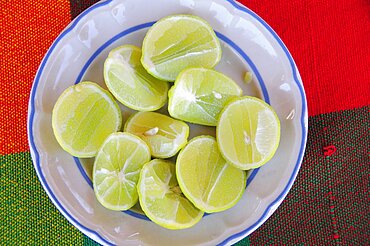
(249, 45)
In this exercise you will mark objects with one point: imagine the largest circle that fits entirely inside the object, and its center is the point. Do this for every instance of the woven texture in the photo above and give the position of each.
(27, 213)
(328, 41)
(328, 203)
(24, 40)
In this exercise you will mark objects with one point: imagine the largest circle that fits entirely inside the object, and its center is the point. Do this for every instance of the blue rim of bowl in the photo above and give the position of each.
(128, 31)
(95, 235)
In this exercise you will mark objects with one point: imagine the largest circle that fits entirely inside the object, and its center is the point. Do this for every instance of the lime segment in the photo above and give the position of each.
(248, 132)
(206, 179)
(83, 116)
(117, 168)
(199, 95)
(178, 42)
(161, 198)
(130, 83)
(165, 136)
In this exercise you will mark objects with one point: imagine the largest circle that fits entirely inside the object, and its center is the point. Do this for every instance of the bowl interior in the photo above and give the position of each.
(248, 44)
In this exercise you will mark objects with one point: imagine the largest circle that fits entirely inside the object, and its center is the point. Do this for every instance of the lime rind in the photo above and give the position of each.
(165, 205)
(265, 153)
(215, 187)
(116, 170)
(124, 75)
(150, 66)
(58, 128)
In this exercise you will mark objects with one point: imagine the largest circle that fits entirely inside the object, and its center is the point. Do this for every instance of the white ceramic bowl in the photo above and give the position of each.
(78, 53)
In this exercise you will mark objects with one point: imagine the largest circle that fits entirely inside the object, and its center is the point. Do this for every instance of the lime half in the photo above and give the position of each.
(130, 83)
(248, 132)
(206, 179)
(161, 198)
(165, 136)
(117, 168)
(83, 116)
(199, 95)
(177, 42)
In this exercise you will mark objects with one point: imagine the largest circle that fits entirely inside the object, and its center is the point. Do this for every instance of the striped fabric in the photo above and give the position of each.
(329, 202)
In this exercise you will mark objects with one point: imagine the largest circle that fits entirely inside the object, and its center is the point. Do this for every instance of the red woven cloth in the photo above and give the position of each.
(329, 41)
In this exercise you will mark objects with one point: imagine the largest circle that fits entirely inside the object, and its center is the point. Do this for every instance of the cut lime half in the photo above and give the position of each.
(177, 42)
(199, 95)
(248, 132)
(161, 198)
(83, 116)
(117, 168)
(164, 135)
(130, 83)
(206, 178)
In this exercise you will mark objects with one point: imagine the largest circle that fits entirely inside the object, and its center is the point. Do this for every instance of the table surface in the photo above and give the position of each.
(328, 203)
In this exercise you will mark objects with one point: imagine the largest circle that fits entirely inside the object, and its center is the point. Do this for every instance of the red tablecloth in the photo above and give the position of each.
(329, 202)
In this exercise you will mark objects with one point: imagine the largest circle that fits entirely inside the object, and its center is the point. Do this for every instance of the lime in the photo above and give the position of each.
(117, 169)
(248, 132)
(161, 198)
(83, 116)
(177, 42)
(165, 136)
(130, 83)
(199, 95)
(205, 178)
